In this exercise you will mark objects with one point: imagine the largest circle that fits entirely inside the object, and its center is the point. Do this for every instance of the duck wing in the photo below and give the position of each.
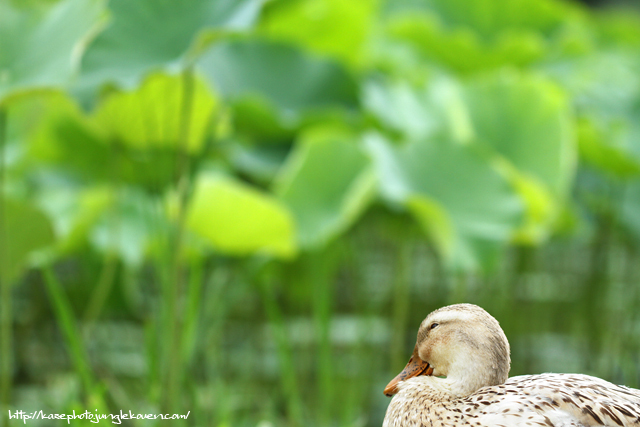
(558, 400)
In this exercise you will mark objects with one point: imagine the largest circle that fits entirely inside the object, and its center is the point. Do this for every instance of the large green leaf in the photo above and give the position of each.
(145, 35)
(132, 138)
(120, 221)
(127, 226)
(42, 50)
(74, 212)
(337, 28)
(64, 136)
(282, 76)
(25, 230)
(468, 208)
(239, 220)
(327, 182)
(529, 122)
(606, 82)
(403, 108)
(523, 122)
(260, 162)
(630, 209)
(472, 35)
(605, 88)
(598, 148)
(491, 18)
(152, 115)
(618, 27)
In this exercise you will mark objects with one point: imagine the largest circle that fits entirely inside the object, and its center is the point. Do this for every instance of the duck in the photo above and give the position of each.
(458, 375)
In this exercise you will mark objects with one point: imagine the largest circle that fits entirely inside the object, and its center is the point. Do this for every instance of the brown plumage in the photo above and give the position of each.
(466, 345)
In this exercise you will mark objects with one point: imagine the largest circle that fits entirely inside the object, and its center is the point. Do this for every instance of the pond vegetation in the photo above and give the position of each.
(244, 209)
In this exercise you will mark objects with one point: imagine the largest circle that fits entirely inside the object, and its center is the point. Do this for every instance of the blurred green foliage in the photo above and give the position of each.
(242, 208)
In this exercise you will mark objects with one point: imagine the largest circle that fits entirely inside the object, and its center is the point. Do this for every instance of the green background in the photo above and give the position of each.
(244, 209)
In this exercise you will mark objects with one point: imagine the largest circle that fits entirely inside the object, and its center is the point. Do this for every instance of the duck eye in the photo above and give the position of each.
(433, 325)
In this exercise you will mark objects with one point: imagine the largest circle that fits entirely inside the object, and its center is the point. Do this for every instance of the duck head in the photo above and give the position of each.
(463, 343)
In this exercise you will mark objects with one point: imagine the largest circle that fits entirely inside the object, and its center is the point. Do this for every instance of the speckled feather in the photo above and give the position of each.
(533, 400)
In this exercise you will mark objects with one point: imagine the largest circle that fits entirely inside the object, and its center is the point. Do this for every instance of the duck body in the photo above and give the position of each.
(554, 400)
(458, 376)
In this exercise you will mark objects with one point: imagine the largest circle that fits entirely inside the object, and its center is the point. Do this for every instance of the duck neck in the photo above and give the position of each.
(457, 387)
(471, 374)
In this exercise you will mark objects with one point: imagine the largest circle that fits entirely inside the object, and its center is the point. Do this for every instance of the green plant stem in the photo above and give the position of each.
(356, 390)
(175, 323)
(104, 285)
(192, 313)
(598, 282)
(6, 332)
(285, 354)
(318, 271)
(102, 289)
(219, 299)
(401, 306)
(67, 323)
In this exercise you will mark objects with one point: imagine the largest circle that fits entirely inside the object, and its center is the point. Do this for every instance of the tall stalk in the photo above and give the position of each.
(290, 386)
(175, 289)
(6, 333)
(102, 289)
(106, 278)
(70, 330)
(598, 281)
(319, 270)
(401, 305)
(356, 390)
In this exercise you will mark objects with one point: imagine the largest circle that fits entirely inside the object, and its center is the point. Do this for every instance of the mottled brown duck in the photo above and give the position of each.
(458, 376)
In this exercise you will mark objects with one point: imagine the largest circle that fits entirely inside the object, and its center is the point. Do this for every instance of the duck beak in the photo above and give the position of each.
(414, 368)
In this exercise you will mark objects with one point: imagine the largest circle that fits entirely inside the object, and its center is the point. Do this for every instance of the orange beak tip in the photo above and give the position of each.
(390, 389)
(414, 368)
